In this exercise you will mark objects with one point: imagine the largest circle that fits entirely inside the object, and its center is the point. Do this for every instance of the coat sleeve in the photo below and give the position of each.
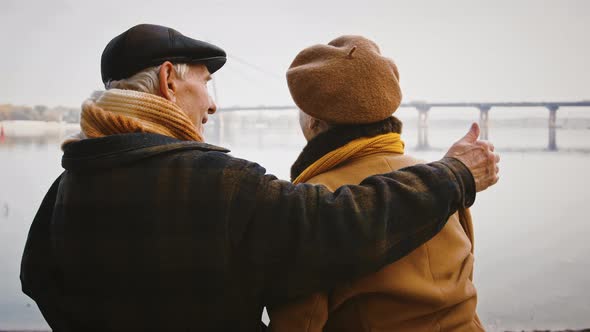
(303, 238)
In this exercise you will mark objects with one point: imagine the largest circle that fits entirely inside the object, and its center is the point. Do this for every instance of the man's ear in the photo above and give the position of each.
(168, 81)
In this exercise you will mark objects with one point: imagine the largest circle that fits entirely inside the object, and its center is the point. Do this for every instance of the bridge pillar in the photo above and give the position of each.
(484, 123)
(219, 127)
(423, 127)
(219, 121)
(552, 146)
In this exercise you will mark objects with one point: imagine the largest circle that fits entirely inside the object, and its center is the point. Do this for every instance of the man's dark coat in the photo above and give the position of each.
(143, 232)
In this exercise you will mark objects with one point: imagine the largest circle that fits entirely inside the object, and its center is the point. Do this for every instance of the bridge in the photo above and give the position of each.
(484, 109)
(422, 108)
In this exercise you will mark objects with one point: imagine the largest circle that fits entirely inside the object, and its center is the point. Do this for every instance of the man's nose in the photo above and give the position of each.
(212, 106)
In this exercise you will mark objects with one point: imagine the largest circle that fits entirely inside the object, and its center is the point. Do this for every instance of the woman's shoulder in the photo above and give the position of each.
(355, 171)
(398, 161)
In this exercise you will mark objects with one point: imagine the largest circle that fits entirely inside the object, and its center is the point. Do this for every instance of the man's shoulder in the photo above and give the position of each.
(123, 150)
(210, 163)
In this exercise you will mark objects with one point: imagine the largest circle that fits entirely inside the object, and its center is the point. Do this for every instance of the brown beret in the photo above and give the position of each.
(345, 82)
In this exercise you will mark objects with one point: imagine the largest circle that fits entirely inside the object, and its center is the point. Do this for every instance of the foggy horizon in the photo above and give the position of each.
(459, 51)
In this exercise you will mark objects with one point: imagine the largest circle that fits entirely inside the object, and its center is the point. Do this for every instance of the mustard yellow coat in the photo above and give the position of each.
(431, 289)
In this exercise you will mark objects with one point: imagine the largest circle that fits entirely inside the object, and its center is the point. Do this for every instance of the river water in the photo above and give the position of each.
(532, 251)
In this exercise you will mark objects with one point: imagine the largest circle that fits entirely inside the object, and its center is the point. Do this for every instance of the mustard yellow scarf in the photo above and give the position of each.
(117, 111)
(358, 148)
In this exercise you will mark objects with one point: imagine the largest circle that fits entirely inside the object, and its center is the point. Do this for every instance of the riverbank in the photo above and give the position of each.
(26, 128)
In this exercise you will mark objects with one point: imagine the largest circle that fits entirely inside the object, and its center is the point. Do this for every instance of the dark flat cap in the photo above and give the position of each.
(148, 45)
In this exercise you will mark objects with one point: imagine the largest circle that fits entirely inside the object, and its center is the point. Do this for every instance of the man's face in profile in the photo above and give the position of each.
(193, 97)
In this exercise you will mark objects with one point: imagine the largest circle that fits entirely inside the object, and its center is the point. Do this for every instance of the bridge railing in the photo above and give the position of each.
(484, 109)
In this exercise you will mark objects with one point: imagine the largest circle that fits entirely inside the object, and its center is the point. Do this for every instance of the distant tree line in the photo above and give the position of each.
(39, 113)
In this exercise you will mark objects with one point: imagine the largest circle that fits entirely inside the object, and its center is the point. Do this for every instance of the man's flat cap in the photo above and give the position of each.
(148, 45)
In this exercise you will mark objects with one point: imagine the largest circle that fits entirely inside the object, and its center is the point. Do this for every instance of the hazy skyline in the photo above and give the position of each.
(451, 51)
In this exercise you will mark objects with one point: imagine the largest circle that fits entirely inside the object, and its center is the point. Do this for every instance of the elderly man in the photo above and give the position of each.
(151, 229)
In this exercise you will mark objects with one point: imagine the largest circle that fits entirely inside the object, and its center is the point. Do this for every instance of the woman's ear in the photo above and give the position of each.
(168, 81)
(318, 126)
(314, 123)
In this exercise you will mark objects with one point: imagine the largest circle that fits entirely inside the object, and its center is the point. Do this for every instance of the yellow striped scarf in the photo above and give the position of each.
(358, 148)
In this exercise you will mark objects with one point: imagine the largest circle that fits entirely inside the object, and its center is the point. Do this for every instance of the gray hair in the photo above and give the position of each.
(146, 80)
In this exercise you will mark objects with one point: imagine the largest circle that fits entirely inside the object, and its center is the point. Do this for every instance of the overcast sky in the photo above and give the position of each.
(446, 50)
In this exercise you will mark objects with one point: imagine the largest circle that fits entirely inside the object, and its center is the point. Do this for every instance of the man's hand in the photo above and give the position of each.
(478, 156)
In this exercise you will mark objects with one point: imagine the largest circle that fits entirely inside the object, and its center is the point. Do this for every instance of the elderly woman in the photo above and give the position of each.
(347, 93)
